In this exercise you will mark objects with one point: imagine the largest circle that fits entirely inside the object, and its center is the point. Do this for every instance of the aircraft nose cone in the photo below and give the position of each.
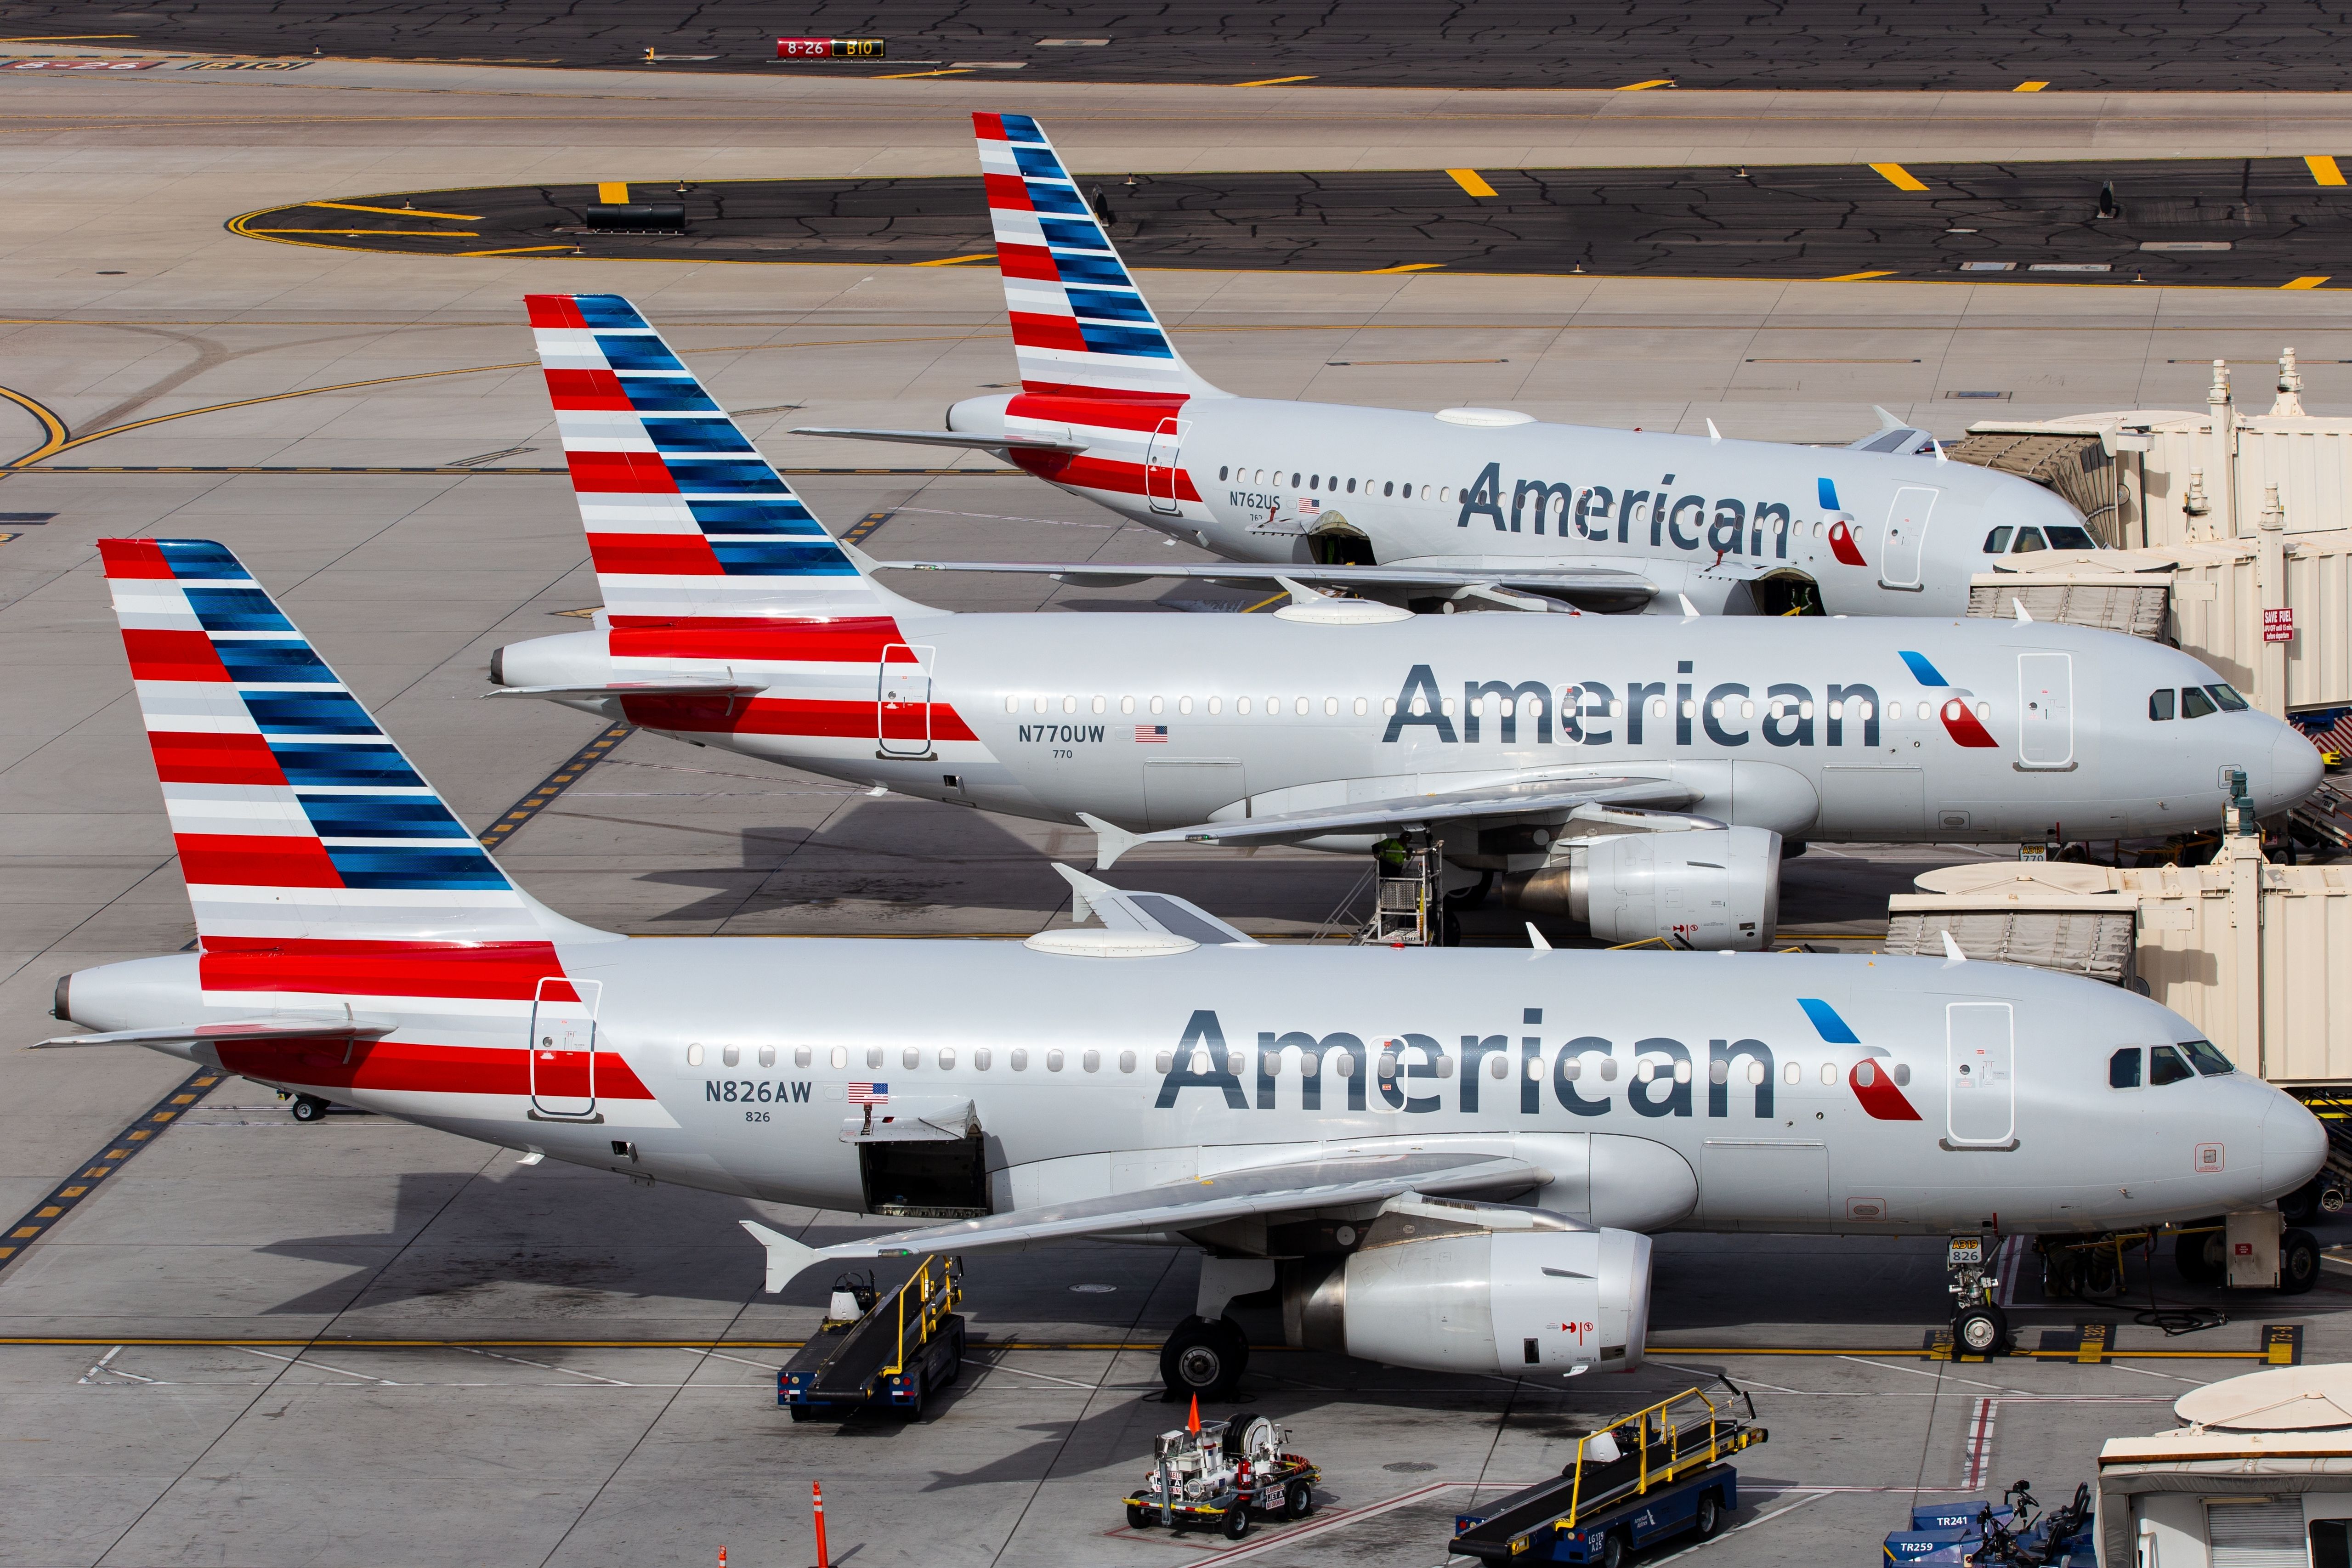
(2294, 1145)
(2294, 768)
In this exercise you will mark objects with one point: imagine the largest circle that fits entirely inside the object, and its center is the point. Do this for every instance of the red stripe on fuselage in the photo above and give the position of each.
(172, 656)
(1881, 1100)
(414, 1067)
(863, 640)
(1031, 330)
(1962, 724)
(654, 555)
(1089, 472)
(1100, 413)
(1841, 545)
(493, 971)
(133, 558)
(197, 757)
(256, 860)
(1107, 394)
(789, 715)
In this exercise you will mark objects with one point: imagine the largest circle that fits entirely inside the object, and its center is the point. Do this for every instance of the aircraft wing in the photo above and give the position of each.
(1893, 435)
(1556, 796)
(1339, 1182)
(1121, 910)
(685, 686)
(1628, 587)
(281, 1026)
(998, 443)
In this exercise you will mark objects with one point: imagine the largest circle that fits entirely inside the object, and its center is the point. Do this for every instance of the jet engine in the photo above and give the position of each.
(1447, 1286)
(1706, 887)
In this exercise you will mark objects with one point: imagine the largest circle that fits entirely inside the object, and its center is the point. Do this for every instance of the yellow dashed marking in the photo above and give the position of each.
(612, 192)
(397, 212)
(2323, 169)
(910, 76)
(519, 250)
(24, 1231)
(1408, 266)
(1856, 277)
(1470, 180)
(2028, 87)
(1273, 81)
(957, 260)
(2307, 282)
(1646, 86)
(1899, 177)
(370, 233)
(49, 1212)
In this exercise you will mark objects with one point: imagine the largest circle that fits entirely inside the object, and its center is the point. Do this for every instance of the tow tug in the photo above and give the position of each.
(887, 1352)
(1655, 1473)
(1215, 1474)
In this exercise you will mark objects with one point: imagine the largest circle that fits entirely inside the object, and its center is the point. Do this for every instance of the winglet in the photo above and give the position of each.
(1939, 449)
(1713, 434)
(1952, 953)
(2019, 605)
(1690, 611)
(786, 1257)
(1887, 420)
(1535, 939)
(1084, 889)
(1110, 843)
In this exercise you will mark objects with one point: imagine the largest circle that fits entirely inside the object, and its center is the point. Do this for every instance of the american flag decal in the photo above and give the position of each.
(869, 1094)
(1150, 734)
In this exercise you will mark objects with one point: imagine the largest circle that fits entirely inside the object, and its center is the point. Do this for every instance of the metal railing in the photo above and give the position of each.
(1671, 1427)
(935, 1297)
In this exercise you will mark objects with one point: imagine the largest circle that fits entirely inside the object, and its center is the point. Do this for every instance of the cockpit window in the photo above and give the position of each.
(2167, 1065)
(2227, 696)
(2122, 1068)
(2028, 541)
(2208, 1057)
(1998, 540)
(2159, 704)
(2065, 535)
(2195, 704)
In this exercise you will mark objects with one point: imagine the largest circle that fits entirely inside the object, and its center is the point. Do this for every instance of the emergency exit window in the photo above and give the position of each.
(2122, 1068)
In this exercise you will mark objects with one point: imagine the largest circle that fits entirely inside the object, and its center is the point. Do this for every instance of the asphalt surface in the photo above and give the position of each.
(2185, 44)
(2261, 223)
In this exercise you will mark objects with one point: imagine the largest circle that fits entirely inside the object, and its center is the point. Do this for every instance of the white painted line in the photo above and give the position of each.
(563, 1371)
(998, 1366)
(321, 1366)
(1760, 1519)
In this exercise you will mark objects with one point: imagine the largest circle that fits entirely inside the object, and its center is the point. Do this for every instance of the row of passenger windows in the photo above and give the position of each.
(2060, 535)
(1305, 1063)
(2166, 1064)
(2195, 702)
(1314, 483)
(1571, 699)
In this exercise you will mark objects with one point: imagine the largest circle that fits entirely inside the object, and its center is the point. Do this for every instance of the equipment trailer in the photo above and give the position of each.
(887, 1351)
(1655, 1473)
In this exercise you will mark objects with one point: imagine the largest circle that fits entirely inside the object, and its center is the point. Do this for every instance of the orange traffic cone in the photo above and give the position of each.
(1193, 1422)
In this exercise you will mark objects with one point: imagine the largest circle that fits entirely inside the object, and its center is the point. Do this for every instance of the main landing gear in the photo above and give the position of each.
(1204, 1357)
(308, 1108)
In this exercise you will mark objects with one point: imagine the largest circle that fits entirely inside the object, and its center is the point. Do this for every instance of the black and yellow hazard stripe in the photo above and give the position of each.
(544, 795)
(76, 1190)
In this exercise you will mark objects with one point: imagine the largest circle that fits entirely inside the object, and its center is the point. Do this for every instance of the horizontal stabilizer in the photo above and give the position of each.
(275, 1026)
(1121, 910)
(683, 687)
(945, 438)
(1342, 1181)
(1556, 798)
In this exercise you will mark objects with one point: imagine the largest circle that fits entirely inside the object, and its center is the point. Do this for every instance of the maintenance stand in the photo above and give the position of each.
(1655, 1473)
(883, 1351)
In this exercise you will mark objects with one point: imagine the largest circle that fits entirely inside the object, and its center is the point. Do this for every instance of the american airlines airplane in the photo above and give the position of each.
(1324, 1125)
(1467, 508)
(1634, 774)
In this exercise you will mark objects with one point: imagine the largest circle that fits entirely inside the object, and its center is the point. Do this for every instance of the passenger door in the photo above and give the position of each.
(562, 1073)
(1981, 1075)
(1160, 465)
(2045, 710)
(902, 701)
(1906, 531)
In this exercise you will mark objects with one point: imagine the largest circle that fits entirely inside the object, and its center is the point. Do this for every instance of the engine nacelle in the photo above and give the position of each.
(1446, 1286)
(1706, 887)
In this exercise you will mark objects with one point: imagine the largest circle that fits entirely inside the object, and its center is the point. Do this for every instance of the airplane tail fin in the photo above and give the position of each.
(689, 525)
(1080, 326)
(305, 835)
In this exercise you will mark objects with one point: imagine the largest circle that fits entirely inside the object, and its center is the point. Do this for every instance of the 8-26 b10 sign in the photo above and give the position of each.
(829, 48)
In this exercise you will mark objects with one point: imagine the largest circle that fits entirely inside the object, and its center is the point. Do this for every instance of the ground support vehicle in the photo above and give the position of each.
(1655, 1473)
(1219, 1475)
(1997, 1535)
(883, 1350)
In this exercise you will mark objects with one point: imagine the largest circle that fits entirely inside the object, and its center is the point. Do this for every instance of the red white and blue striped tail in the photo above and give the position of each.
(297, 819)
(1080, 327)
(686, 522)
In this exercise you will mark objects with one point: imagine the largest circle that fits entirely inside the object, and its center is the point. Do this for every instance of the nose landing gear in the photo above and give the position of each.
(1979, 1328)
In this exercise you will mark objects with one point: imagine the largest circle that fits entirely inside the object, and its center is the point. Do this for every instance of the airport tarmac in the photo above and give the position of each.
(237, 1261)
